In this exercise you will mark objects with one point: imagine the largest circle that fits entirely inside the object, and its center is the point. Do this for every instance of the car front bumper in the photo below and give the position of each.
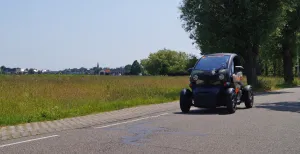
(207, 97)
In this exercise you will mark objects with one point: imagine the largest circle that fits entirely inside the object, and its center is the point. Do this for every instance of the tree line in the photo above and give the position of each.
(265, 33)
(163, 62)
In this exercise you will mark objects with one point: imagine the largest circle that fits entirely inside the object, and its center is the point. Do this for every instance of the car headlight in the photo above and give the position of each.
(195, 77)
(221, 76)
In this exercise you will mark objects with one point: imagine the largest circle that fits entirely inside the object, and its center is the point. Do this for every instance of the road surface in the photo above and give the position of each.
(272, 126)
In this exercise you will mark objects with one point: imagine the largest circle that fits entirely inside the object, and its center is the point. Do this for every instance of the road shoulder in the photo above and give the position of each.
(39, 128)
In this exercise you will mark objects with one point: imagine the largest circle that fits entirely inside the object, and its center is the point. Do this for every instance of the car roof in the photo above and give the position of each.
(220, 54)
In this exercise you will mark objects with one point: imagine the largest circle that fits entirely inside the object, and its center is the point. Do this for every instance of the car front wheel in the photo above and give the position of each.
(185, 100)
(231, 104)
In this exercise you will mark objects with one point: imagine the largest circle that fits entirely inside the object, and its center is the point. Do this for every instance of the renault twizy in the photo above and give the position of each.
(215, 81)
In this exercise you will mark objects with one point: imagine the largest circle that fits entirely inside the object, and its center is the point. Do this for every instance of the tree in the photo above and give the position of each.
(83, 69)
(270, 55)
(2, 68)
(288, 39)
(31, 71)
(165, 61)
(135, 68)
(238, 26)
(280, 49)
(96, 70)
(192, 59)
(127, 69)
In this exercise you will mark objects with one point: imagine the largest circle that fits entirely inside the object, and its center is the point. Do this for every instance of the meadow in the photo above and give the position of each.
(30, 98)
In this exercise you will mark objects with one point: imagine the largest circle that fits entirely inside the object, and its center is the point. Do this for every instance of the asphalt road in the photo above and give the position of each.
(272, 126)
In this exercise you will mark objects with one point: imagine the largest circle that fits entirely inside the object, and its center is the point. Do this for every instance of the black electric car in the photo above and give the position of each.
(216, 81)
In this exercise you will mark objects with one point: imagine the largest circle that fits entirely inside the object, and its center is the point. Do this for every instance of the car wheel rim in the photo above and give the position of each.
(233, 103)
(251, 98)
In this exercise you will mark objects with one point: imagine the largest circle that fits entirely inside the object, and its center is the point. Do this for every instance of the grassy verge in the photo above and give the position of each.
(274, 83)
(50, 97)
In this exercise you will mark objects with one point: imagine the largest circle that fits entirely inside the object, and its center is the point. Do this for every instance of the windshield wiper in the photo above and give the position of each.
(221, 67)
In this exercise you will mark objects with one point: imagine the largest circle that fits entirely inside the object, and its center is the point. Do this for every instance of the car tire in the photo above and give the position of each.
(185, 100)
(249, 99)
(231, 104)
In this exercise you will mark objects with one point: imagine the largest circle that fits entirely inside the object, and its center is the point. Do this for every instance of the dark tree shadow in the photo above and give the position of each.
(271, 93)
(281, 106)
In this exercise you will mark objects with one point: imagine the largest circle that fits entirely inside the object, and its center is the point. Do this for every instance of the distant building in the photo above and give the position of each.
(12, 71)
(102, 72)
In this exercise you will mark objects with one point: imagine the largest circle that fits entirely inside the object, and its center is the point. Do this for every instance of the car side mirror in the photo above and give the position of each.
(239, 69)
(190, 70)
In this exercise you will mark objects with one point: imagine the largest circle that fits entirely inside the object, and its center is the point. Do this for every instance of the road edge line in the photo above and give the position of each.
(41, 138)
(119, 123)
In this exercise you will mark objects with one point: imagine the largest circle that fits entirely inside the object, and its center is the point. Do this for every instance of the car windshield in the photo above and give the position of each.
(212, 62)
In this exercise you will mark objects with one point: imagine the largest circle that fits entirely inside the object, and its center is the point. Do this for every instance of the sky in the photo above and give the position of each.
(59, 34)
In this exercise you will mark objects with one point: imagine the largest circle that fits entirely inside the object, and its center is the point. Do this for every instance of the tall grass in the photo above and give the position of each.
(32, 98)
(48, 97)
(274, 83)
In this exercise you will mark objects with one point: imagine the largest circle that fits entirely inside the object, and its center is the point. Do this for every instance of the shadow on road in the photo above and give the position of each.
(216, 111)
(271, 93)
(281, 106)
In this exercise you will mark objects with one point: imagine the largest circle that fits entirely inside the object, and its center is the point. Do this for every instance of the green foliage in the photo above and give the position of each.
(239, 26)
(127, 68)
(135, 68)
(291, 27)
(2, 68)
(31, 71)
(279, 51)
(230, 26)
(165, 61)
(96, 70)
(270, 55)
(192, 59)
(288, 37)
(264, 85)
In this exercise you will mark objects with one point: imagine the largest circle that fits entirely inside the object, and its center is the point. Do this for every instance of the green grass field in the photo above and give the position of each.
(32, 98)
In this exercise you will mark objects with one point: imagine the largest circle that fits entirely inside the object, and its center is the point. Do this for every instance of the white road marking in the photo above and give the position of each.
(132, 120)
(5, 145)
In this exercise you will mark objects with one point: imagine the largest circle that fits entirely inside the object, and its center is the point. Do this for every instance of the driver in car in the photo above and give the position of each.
(237, 80)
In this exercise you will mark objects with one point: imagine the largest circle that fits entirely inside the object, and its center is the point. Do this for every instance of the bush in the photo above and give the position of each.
(180, 73)
(264, 85)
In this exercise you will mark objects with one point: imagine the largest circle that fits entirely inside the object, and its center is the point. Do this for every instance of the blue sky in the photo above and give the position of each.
(58, 34)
